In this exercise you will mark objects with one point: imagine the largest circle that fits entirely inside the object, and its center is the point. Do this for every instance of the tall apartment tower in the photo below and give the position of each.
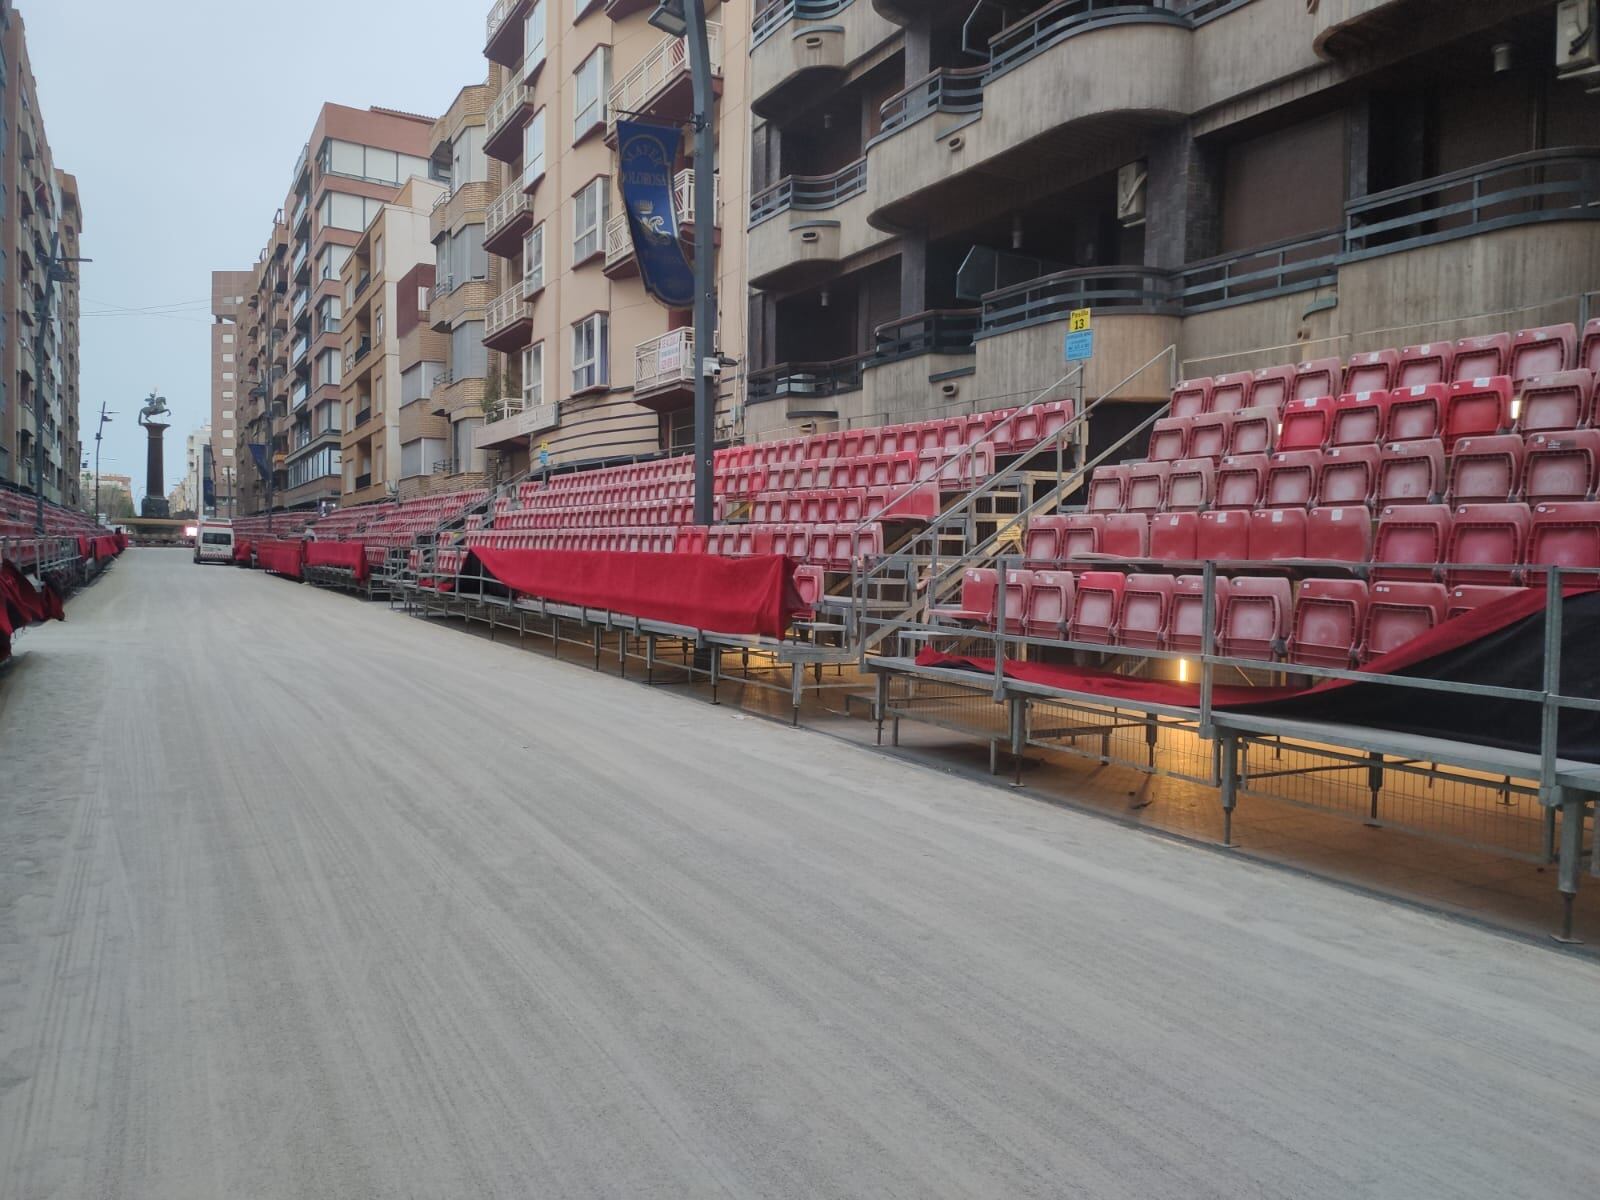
(355, 161)
(41, 210)
(589, 367)
(229, 290)
(937, 186)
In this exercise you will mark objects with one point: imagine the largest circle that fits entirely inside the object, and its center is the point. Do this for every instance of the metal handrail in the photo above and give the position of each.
(769, 20)
(945, 89)
(828, 378)
(1040, 30)
(1284, 274)
(1051, 297)
(809, 193)
(932, 331)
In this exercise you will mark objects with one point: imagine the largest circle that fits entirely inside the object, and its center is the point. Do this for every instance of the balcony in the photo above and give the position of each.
(508, 218)
(502, 137)
(803, 382)
(659, 86)
(299, 393)
(298, 309)
(502, 42)
(301, 265)
(512, 420)
(801, 47)
(663, 371)
(508, 322)
(362, 418)
(619, 241)
(803, 226)
(363, 348)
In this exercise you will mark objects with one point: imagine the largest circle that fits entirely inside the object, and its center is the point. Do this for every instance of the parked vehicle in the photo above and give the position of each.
(213, 540)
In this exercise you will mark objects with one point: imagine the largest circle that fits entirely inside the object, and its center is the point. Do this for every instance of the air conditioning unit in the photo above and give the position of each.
(1131, 180)
(1577, 38)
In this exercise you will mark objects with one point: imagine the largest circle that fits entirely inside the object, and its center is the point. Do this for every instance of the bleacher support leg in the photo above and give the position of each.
(1019, 736)
(796, 678)
(715, 655)
(555, 636)
(1374, 786)
(622, 653)
(650, 658)
(1230, 784)
(597, 634)
(880, 702)
(1572, 806)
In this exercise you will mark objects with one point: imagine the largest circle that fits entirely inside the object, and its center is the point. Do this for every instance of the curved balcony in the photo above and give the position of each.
(502, 132)
(1072, 79)
(619, 241)
(803, 226)
(659, 86)
(502, 39)
(1347, 27)
(904, 12)
(801, 383)
(507, 219)
(508, 322)
(798, 46)
(663, 371)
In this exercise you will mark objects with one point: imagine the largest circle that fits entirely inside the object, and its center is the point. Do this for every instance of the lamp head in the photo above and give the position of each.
(668, 17)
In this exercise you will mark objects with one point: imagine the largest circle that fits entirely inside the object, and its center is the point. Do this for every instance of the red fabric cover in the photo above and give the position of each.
(23, 604)
(122, 541)
(1448, 635)
(106, 545)
(85, 546)
(350, 556)
(241, 551)
(281, 557)
(751, 595)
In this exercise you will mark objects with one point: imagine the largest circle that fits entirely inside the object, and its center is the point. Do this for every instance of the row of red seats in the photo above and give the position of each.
(1524, 355)
(617, 540)
(1030, 426)
(952, 469)
(1544, 468)
(1336, 623)
(1487, 543)
(830, 547)
(660, 512)
(920, 503)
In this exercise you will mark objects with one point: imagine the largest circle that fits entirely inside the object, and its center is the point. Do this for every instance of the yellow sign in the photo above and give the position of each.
(1078, 321)
(545, 445)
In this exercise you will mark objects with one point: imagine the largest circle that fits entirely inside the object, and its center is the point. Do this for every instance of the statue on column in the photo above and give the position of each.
(155, 499)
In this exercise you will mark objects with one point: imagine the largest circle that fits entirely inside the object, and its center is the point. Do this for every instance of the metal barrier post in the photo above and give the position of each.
(1550, 715)
(1019, 736)
(1000, 629)
(1229, 745)
(1572, 812)
(1208, 645)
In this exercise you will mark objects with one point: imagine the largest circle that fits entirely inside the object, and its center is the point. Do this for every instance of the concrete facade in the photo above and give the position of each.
(229, 290)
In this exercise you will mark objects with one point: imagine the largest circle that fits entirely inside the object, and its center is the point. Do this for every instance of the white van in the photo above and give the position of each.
(213, 540)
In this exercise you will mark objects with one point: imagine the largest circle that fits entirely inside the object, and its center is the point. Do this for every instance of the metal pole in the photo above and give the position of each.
(41, 310)
(705, 271)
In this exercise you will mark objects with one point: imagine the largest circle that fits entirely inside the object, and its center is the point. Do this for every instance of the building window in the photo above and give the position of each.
(377, 325)
(227, 414)
(227, 395)
(593, 85)
(591, 353)
(331, 261)
(533, 260)
(227, 376)
(533, 150)
(533, 375)
(591, 208)
(227, 358)
(227, 339)
(330, 366)
(533, 37)
(227, 452)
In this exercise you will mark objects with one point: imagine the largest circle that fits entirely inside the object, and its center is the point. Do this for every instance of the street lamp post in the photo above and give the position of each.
(99, 432)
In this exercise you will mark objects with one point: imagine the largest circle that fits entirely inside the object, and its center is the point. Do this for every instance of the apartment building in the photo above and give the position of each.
(199, 485)
(936, 186)
(291, 410)
(387, 282)
(41, 210)
(445, 379)
(229, 290)
(588, 366)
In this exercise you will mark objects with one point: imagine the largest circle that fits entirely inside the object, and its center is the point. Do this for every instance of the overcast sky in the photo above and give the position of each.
(182, 120)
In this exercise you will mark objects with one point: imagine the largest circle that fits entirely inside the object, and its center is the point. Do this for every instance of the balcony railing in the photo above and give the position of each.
(773, 17)
(1052, 297)
(949, 90)
(1261, 272)
(508, 206)
(667, 62)
(363, 348)
(300, 346)
(300, 301)
(619, 242)
(363, 417)
(299, 393)
(806, 381)
(664, 361)
(809, 193)
(300, 257)
(508, 308)
(1053, 23)
(498, 15)
(938, 331)
(511, 99)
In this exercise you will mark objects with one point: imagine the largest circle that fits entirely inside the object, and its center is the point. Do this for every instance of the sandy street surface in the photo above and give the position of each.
(303, 898)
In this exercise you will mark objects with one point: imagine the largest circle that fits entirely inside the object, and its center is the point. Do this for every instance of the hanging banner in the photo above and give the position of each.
(647, 154)
(258, 451)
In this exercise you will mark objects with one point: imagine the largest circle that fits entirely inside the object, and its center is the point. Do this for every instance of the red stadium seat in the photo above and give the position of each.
(1172, 537)
(810, 582)
(1337, 533)
(1329, 616)
(1186, 620)
(1191, 485)
(1019, 583)
(1563, 535)
(1480, 357)
(1469, 596)
(1477, 408)
(1373, 371)
(1277, 533)
(1562, 466)
(1291, 479)
(1223, 535)
(1108, 488)
(978, 589)
(1429, 363)
(1486, 542)
(1349, 475)
(1241, 479)
(1095, 607)
(1306, 424)
(1358, 419)
(1231, 392)
(1050, 604)
(1485, 470)
(1147, 487)
(1416, 413)
(1125, 535)
(1255, 620)
(1414, 535)
(1191, 398)
(1589, 349)
(1042, 541)
(1210, 435)
(1255, 431)
(1080, 534)
(1146, 611)
(1271, 387)
(1549, 403)
(1399, 612)
(1543, 351)
(1169, 439)
(1317, 378)
(1410, 473)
